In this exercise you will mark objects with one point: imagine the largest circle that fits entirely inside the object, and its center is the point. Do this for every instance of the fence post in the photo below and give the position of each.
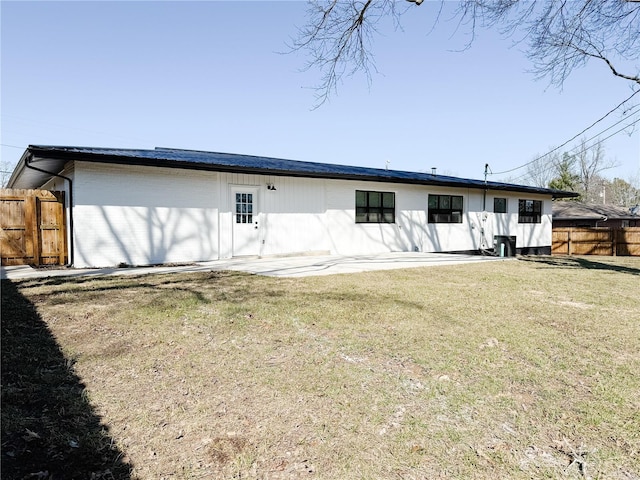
(569, 241)
(32, 228)
(40, 249)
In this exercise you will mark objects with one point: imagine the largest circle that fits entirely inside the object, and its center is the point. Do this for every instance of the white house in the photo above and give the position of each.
(141, 207)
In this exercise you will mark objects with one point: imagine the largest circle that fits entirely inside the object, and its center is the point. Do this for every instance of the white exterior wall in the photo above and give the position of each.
(528, 235)
(290, 219)
(345, 236)
(148, 215)
(143, 215)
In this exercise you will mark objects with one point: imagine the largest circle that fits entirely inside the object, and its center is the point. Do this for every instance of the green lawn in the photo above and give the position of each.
(517, 369)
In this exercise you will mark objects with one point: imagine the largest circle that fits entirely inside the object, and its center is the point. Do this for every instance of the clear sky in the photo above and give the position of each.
(211, 76)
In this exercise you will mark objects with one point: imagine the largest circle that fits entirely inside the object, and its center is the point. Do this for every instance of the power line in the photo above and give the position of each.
(573, 138)
(610, 127)
(587, 140)
(584, 149)
(577, 135)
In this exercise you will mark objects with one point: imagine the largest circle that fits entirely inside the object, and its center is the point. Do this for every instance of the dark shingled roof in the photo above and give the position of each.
(589, 211)
(53, 158)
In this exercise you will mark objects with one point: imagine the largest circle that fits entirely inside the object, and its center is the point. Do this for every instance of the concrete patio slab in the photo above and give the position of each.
(298, 266)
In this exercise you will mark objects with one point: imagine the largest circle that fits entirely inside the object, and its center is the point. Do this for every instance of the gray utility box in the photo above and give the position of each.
(504, 245)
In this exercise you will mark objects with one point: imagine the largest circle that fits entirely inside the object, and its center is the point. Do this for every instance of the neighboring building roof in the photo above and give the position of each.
(51, 159)
(586, 211)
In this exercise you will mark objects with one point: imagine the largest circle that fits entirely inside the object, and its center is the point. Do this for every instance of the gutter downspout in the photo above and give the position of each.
(484, 244)
(71, 246)
(603, 219)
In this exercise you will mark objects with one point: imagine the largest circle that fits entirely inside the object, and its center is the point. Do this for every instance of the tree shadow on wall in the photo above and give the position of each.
(49, 429)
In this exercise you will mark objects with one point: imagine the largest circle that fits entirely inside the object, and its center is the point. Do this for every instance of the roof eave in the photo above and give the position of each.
(17, 171)
(563, 194)
(60, 153)
(33, 170)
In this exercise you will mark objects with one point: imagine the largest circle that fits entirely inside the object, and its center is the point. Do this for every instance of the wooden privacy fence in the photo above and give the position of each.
(32, 227)
(596, 241)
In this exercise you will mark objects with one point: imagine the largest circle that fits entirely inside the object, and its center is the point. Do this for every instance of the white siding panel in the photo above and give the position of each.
(531, 235)
(347, 237)
(528, 235)
(143, 215)
(293, 217)
(290, 218)
(147, 215)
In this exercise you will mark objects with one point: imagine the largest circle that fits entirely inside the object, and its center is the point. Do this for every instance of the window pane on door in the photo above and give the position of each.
(244, 208)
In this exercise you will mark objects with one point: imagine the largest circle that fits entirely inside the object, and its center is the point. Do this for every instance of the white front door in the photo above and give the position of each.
(246, 231)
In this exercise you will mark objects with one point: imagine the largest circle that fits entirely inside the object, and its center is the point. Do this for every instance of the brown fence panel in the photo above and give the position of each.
(13, 236)
(628, 241)
(596, 241)
(560, 241)
(592, 242)
(32, 227)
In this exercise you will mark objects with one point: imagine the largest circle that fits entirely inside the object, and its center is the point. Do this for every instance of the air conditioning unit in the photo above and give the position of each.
(504, 245)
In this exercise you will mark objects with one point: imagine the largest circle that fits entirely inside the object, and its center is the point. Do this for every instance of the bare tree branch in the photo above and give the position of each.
(338, 39)
(568, 34)
(591, 162)
(600, 56)
(562, 35)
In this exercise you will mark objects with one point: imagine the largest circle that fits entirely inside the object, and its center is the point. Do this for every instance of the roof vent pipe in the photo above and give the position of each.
(433, 170)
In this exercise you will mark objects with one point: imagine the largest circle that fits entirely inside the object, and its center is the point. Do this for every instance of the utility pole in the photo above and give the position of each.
(484, 197)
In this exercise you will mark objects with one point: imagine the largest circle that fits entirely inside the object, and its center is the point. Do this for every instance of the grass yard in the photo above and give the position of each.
(517, 369)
